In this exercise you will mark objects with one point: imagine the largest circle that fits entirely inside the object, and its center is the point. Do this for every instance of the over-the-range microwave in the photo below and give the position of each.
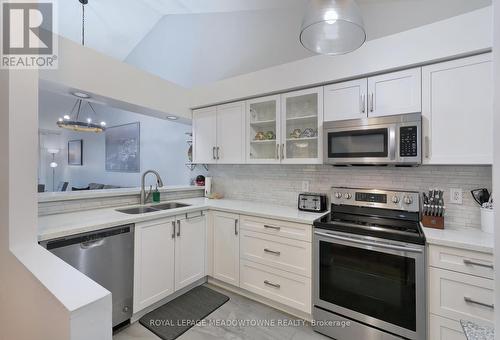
(390, 140)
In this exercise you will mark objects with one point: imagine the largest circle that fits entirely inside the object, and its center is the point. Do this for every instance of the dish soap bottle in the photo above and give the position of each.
(156, 195)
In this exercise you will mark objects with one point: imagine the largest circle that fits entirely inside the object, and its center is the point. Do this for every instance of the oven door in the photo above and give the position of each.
(376, 282)
(361, 145)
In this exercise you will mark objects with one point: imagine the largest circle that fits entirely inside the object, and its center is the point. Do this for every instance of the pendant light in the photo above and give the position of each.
(332, 27)
(66, 122)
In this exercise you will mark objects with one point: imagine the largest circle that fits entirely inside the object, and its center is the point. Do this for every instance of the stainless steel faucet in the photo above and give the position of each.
(144, 198)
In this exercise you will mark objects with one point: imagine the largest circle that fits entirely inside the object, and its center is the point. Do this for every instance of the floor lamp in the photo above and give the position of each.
(53, 165)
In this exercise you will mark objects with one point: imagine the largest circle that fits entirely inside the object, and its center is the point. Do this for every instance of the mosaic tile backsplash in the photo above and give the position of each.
(280, 184)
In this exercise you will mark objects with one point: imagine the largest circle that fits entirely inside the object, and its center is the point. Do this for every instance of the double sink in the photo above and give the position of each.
(143, 209)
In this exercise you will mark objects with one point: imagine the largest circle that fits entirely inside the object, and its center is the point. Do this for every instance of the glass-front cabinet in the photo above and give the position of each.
(263, 130)
(285, 128)
(302, 123)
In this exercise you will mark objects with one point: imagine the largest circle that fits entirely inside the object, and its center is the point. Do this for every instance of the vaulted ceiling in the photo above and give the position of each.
(192, 42)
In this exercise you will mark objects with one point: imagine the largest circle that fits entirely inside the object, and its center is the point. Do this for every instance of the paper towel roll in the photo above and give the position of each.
(208, 186)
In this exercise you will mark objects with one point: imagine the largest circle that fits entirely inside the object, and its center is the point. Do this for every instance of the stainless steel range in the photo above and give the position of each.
(369, 266)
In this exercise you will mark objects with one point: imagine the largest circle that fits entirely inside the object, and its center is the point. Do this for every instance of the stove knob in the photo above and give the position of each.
(395, 199)
(338, 195)
(408, 200)
(347, 196)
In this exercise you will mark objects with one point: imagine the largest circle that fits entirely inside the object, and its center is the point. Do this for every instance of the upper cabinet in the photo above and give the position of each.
(263, 130)
(457, 110)
(346, 100)
(384, 95)
(219, 134)
(395, 93)
(301, 126)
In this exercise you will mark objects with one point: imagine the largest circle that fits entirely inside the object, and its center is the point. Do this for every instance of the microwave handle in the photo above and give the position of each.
(392, 143)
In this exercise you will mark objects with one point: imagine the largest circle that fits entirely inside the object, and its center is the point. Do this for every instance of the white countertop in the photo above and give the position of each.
(61, 225)
(464, 238)
(86, 194)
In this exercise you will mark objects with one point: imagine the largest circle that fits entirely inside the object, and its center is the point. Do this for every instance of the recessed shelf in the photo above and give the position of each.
(263, 141)
(300, 139)
(309, 117)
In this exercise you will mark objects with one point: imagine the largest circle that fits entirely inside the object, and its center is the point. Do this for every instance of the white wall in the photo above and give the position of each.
(163, 147)
(452, 37)
(496, 150)
(116, 83)
(37, 299)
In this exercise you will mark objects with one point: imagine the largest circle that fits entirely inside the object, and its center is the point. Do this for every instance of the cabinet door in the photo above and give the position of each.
(445, 329)
(395, 93)
(263, 130)
(231, 133)
(226, 247)
(204, 135)
(458, 111)
(302, 126)
(153, 262)
(190, 251)
(346, 100)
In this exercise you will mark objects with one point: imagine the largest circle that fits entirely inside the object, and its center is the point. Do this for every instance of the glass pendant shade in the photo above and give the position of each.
(332, 27)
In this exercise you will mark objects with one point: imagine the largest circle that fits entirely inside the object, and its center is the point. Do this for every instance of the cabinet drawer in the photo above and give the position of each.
(286, 288)
(464, 261)
(287, 254)
(460, 296)
(296, 231)
(445, 329)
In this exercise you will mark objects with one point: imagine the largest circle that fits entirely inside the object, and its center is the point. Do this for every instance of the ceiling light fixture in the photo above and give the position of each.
(76, 125)
(82, 95)
(332, 27)
(172, 117)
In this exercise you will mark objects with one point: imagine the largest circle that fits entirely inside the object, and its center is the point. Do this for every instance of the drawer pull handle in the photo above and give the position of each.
(275, 285)
(473, 263)
(272, 252)
(271, 227)
(487, 305)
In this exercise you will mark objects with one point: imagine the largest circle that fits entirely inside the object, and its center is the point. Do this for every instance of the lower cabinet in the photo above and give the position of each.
(226, 249)
(190, 251)
(154, 262)
(169, 254)
(445, 329)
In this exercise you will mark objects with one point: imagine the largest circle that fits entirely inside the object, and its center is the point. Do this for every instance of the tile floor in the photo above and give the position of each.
(237, 308)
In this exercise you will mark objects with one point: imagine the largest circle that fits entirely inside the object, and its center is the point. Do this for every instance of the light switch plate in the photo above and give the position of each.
(456, 195)
(305, 186)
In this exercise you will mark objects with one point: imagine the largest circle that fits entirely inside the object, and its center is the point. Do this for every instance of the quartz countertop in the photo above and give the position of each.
(475, 332)
(61, 225)
(465, 238)
(88, 194)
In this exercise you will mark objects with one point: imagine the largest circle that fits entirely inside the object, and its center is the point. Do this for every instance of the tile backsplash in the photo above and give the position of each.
(280, 184)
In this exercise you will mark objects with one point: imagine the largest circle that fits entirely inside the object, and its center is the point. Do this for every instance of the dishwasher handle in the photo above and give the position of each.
(92, 244)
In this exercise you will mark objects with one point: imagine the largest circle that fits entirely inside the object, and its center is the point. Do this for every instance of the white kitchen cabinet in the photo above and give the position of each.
(154, 261)
(263, 130)
(395, 93)
(219, 134)
(445, 329)
(231, 133)
(226, 249)
(190, 251)
(302, 127)
(204, 135)
(457, 110)
(347, 100)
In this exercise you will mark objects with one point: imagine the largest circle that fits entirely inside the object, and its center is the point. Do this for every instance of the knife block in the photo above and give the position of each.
(436, 222)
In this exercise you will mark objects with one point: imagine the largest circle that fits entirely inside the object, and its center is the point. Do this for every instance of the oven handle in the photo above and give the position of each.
(368, 243)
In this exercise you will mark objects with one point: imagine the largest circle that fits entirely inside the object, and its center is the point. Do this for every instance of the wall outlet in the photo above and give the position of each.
(305, 186)
(456, 195)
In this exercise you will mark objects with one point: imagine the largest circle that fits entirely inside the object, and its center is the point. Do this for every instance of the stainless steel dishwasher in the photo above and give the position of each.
(107, 257)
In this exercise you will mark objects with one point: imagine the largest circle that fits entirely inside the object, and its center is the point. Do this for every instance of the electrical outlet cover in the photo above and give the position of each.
(456, 195)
